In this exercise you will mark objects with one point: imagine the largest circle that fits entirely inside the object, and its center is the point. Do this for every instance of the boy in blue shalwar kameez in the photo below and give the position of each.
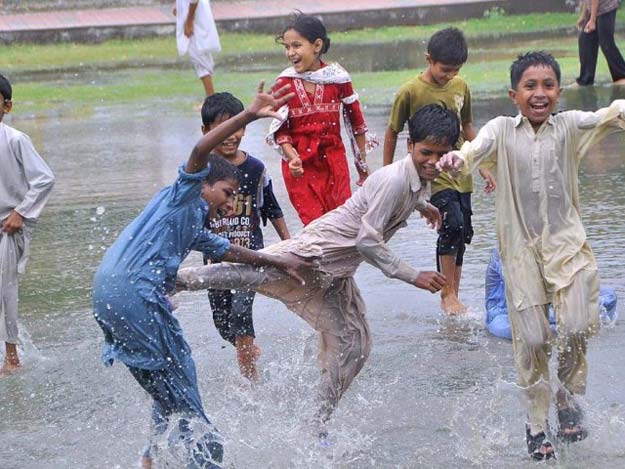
(138, 271)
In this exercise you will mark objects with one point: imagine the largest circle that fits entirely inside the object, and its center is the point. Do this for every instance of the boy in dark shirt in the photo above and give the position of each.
(254, 202)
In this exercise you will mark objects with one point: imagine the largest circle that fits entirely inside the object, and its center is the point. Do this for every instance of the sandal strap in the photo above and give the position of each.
(537, 442)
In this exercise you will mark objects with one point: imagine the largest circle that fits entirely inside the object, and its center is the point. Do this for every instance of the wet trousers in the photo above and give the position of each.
(589, 44)
(332, 306)
(577, 316)
(12, 249)
(174, 404)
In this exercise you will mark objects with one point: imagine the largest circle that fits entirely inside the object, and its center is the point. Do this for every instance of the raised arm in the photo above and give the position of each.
(263, 105)
(592, 127)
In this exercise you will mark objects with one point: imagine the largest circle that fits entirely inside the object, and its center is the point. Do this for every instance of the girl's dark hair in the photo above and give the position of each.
(5, 88)
(434, 123)
(218, 106)
(529, 59)
(310, 27)
(221, 170)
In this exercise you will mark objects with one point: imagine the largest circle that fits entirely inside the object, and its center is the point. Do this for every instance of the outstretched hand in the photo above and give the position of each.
(265, 104)
(430, 281)
(450, 162)
(294, 266)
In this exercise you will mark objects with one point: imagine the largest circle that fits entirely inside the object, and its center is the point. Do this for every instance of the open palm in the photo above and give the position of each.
(265, 104)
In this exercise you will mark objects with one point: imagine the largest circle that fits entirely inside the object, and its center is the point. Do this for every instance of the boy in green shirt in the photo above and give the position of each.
(439, 84)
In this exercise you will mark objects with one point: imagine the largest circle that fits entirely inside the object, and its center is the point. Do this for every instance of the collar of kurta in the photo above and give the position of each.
(328, 73)
(413, 175)
(520, 118)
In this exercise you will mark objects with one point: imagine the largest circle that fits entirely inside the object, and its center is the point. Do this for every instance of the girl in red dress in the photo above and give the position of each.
(308, 135)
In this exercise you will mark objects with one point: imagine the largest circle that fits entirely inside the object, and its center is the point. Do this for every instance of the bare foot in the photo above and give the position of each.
(146, 462)
(620, 82)
(9, 367)
(451, 305)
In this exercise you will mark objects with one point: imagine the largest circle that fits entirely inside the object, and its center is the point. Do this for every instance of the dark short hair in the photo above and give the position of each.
(5, 88)
(531, 59)
(220, 105)
(434, 123)
(221, 170)
(308, 26)
(448, 47)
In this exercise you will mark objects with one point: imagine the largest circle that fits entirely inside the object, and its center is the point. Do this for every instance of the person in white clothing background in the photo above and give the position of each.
(25, 185)
(196, 35)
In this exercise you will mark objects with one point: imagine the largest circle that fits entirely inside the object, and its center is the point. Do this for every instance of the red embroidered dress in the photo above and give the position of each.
(313, 128)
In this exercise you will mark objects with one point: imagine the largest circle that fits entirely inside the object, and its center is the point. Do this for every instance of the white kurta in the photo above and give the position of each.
(25, 185)
(205, 37)
(541, 237)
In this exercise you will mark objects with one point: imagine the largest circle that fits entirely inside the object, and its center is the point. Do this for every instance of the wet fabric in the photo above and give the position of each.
(454, 95)
(577, 317)
(139, 269)
(331, 306)
(232, 313)
(174, 405)
(313, 127)
(25, 180)
(12, 250)
(205, 37)
(542, 241)
(330, 301)
(457, 229)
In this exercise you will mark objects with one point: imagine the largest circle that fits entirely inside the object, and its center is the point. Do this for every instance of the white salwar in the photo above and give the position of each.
(204, 39)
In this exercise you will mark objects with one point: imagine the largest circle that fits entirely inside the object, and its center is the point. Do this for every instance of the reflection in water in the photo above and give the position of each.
(436, 392)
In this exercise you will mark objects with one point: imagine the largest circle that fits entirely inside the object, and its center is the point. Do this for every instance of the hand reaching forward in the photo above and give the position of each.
(432, 216)
(264, 104)
(451, 162)
(294, 265)
(430, 281)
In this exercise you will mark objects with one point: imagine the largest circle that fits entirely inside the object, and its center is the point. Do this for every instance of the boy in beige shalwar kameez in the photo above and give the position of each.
(341, 240)
(545, 255)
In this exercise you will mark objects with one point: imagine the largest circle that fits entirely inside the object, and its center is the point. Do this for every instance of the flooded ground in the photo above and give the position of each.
(435, 393)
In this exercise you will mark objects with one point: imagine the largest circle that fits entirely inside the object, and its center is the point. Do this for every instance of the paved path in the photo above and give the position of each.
(223, 11)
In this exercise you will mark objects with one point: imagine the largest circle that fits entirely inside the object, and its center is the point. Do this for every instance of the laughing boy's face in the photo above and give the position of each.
(537, 94)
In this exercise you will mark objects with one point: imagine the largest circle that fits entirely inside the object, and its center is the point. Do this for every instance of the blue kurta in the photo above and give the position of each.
(139, 269)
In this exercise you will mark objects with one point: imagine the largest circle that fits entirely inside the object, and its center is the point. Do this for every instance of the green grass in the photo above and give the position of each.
(147, 87)
(28, 57)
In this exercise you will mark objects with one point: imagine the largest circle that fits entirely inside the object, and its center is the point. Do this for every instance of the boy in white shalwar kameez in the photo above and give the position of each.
(196, 34)
(544, 251)
(25, 184)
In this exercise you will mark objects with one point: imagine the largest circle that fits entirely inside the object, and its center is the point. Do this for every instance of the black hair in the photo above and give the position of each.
(5, 88)
(448, 47)
(435, 124)
(220, 105)
(531, 59)
(221, 170)
(308, 26)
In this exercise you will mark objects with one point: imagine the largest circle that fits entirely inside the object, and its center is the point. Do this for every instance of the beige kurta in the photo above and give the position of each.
(541, 237)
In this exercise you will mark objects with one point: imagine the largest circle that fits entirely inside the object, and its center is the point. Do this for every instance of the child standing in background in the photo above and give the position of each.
(439, 83)
(254, 203)
(315, 169)
(196, 34)
(25, 185)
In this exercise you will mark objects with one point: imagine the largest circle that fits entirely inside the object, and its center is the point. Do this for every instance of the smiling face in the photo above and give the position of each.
(303, 54)
(220, 197)
(229, 147)
(424, 155)
(537, 94)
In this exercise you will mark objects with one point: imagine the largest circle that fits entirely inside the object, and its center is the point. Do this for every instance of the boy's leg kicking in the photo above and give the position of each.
(332, 306)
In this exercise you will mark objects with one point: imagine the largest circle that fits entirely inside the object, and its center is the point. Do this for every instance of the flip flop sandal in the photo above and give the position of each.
(571, 428)
(536, 443)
